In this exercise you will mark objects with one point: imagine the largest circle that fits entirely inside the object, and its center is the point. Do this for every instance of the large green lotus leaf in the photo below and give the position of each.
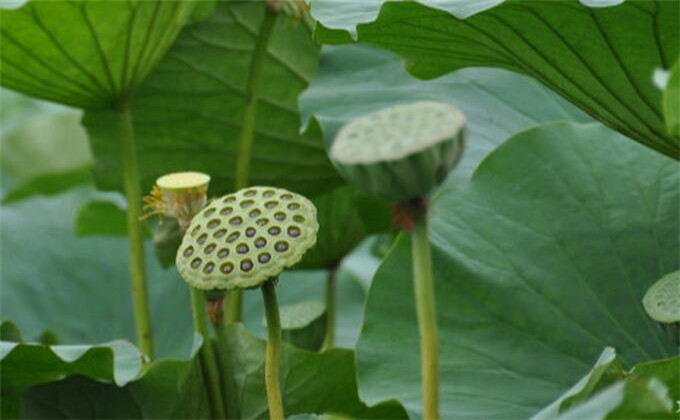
(78, 287)
(671, 101)
(87, 54)
(168, 389)
(540, 262)
(23, 365)
(355, 79)
(189, 113)
(311, 382)
(599, 58)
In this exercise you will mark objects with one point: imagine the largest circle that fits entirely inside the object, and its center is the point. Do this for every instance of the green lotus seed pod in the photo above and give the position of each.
(402, 152)
(662, 300)
(243, 239)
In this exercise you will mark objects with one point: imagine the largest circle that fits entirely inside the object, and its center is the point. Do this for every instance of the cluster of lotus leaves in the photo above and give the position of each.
(401, 152)
(243, 239)
(662, 300)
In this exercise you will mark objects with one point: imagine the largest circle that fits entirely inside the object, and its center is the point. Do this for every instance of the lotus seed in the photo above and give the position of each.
(210, 212)
(262, 222)
(250, 232)
(281, 246)
(274, 230)
(271, 204)
(250, 193)
(196, 263)
(227, 268)
(293, 206)
(293, 231)
(235, 221)
(280, 216)
(246, 265)
(195, 231)
(189, 252)
(213, 223)
(299, 218)
(220, 233)
(260, 242)
(269, 193)
(233, 237)
(255, 213)
(202, 238)
(242, 249)
(246, 204)
(209, 268)
(223, 253)
(226, 211)
(263, 258)
(286, 196)
(210, 248)
(229, 199)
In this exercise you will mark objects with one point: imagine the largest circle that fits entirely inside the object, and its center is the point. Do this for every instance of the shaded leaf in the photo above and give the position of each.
(101, 218)
(540, 262)
(303, 324)
(671, 101)
(189, 113)
(86, 54)
(49, 184)
(599, 58)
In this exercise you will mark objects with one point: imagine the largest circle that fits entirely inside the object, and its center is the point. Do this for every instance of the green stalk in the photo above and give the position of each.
(329, 338)
(271, 364)
(207, 355)
(133, 194)
(229, 389)
(427, 318)
(252, 93)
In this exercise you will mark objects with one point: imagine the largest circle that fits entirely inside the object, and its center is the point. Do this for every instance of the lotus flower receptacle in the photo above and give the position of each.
(402, 152)
(243, 239)
(179, 195)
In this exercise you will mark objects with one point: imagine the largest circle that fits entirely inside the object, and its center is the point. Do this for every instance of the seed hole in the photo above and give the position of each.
(209, 268)
(268, 193)
(293, 231)
(250, 193)
(286, 196)
(214, 223)
(299, 218)
(242, 249)
(189, 252)
(264, 258)
(254, 213)
(235, 221)
(220, 233)
(260, 242)
(209, 212)
(233, 237)
(250, 232)
(246, 265)
(281, 246)
(262, 222)
(247, 203)
(223, 253)
(280, 216)
(196, 230)
(293, 206)
(210, 248)
(271, 204)
(229, 199)
(226, 211)
(201, 239)
(227, 268)
(196, 263)
(274, 230)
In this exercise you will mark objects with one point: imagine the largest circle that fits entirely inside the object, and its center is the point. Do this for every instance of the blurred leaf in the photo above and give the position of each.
(86, 54)
(671, 101)
(49, 184)
(10, 332)
(26, 365)
(303, 324)
(340, 228)
(355, 80)
(101, 218)
(78, 287)
(599, 58)
(189, 113)
(540, 262)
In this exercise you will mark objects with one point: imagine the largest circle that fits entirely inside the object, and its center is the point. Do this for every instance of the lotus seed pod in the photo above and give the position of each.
(662, 300)
(179, 195)
(402, 152)
(243, 239)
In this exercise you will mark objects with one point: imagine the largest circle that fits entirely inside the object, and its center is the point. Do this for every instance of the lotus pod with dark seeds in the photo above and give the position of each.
(243, 239)
(402, 152)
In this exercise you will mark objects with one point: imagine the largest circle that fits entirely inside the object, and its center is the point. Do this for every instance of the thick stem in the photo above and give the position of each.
(252, 93)
(133, 194)
(329, 338)
(207, 355)
(427, 318)
(229, 388)
(271, 366)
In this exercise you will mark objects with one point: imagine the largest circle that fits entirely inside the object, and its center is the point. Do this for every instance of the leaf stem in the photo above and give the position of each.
(271, 367)
(133, 194)
(329, 338)
(207, 355)
(252, 93)
(427, 318)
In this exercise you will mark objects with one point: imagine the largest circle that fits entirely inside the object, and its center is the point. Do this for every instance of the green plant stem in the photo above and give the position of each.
(271, 364)
(329, 338)
(133, 194)
(427, 318)
(207, 355)
(252, 93)
(229, 388)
